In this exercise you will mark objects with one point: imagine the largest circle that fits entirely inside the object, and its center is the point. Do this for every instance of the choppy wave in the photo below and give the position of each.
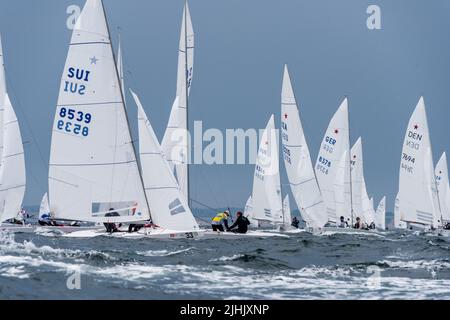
(344, 266)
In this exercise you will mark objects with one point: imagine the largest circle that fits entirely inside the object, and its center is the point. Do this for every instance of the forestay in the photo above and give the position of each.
(417, 184)
(167, 203)
(2, 95)
(92, 162)
(335, 143)
(267, 203)
(297, 160)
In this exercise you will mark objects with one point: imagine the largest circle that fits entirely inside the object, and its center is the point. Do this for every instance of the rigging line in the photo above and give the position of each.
(18, 105)
(204, 205)
(205, 179)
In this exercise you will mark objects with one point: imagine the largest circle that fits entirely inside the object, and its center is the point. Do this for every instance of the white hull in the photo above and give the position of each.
(65, 229)
(146, 233)
(209, 234)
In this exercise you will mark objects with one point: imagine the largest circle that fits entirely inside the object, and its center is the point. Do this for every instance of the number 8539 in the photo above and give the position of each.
(74, 121)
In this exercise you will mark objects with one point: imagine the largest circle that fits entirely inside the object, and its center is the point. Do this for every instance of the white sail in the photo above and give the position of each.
(287, 216)
(297, 160)
(93, 165)
(12, 171)
(380, 215)
(417, 184)
(167, 203)
(398, 223)
(2, 95)
(267, 203)
(342, 189)
(175, 143)
(441, 172)
(44, 208)
(249, 213)
(120, 69)
(368, 213)
(335, 142)
(357, 175)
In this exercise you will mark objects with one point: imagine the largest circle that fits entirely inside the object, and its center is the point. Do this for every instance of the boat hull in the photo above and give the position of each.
(146, 233)
(209, 234)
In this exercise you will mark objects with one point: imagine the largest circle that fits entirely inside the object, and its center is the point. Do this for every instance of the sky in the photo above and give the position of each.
(241, 48)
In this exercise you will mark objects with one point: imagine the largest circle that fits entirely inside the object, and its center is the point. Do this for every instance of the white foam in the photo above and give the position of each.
(162, 253)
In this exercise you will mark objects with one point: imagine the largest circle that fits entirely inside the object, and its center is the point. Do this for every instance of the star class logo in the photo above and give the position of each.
(416, 127)
(285, 116)
(336, 131)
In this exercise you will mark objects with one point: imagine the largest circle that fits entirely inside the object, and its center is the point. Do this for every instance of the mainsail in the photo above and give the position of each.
(335, 143)
(342, 189)
(417, 184)
(93, 175)
(2, 94)
(248, 212)
(380, 215)
(267, 202)
(398, 223)
(443, 187)
(167, 203)
(175, 143)
(297, 160)
(12, 171)
(287, 216)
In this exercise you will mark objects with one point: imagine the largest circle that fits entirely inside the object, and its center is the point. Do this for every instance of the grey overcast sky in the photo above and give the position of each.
(241, 46)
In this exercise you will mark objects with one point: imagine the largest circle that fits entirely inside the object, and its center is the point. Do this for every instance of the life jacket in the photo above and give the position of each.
(220, 217)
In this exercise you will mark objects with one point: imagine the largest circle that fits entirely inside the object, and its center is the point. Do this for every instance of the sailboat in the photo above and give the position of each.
(167, 202)
(265, 203)
(418, 194)
(175, 143)
(12, 165)
(333, 167)
(362, 204)
(297, 160)
(441, 172)
(380, 215)
(398, 223)
(94, 175)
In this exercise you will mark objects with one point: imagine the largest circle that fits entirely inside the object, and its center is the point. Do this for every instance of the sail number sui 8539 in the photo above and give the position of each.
(74, 122)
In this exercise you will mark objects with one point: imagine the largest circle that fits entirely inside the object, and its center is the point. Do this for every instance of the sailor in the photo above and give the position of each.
(358, 224)
(220, 221)
(372, 226)
(45, 220)
(447, 226)
(343, 223)
(111, 227)
(295, 222)
(241, 223)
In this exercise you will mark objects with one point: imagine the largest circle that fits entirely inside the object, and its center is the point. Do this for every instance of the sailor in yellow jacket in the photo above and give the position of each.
(220, 221)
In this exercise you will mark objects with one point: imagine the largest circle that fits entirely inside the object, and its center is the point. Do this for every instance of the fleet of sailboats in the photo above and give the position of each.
(97, 175)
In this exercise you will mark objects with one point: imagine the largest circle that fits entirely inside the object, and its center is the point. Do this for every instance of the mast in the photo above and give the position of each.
(125, 109)
(187, 99)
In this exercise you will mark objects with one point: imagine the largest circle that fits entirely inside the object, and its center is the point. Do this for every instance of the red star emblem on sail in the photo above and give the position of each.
(285, 116)
(336, 131)
(416, 127)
